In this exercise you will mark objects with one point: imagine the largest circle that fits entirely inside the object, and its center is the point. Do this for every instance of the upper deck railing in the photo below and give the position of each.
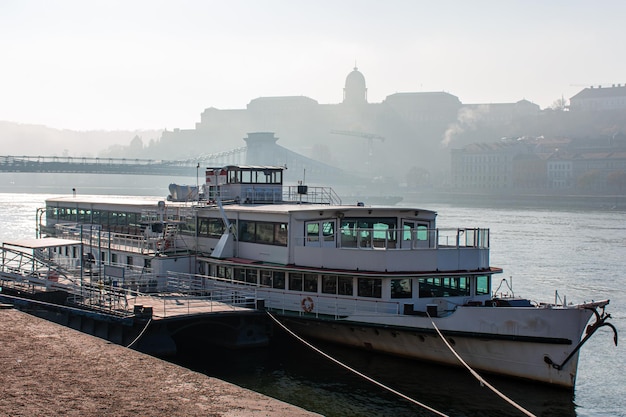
(390, 239)
(258, 194)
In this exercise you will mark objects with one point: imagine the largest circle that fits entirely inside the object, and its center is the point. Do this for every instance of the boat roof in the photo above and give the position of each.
(48, 242)
(86, 201)
(293, 207)
(285, 207)
(109, 199)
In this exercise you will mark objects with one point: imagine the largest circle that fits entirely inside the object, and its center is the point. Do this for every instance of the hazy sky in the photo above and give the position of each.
(146, 64)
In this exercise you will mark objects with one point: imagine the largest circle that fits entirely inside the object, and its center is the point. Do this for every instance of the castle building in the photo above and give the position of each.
(371, 140)
(599, 99)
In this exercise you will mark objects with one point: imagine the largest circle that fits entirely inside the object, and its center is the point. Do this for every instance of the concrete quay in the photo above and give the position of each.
(49, 369)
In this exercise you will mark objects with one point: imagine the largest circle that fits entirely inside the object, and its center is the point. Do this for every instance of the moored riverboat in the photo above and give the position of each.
(380, 278)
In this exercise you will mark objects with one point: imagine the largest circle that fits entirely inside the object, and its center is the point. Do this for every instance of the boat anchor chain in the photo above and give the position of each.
(601, 320)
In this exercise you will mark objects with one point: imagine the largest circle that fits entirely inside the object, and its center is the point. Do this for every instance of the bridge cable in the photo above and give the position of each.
(477, 376)
(432, 410)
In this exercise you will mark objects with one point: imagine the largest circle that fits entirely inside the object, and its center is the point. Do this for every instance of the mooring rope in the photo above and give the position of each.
(477, 376)
(140, 334)
(432, 410)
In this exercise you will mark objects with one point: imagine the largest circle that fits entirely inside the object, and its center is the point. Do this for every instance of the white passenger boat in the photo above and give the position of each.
(379, 278)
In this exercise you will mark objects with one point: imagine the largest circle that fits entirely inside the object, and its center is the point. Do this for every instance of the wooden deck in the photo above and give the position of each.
(171, 305)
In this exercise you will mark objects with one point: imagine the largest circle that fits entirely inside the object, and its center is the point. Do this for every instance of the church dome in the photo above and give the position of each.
(355, 90)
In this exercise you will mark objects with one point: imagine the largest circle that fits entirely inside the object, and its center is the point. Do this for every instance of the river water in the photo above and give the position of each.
(580, 254)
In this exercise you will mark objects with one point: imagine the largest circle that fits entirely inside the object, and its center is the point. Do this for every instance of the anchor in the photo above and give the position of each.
(601, 320)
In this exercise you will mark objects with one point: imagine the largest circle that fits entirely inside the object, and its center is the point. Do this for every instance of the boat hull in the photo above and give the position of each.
(500, 353)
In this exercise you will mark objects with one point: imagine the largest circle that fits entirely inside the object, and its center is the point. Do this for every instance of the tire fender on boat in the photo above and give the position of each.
(307, 304)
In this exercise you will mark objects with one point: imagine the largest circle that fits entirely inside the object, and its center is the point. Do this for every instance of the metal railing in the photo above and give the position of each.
(393, 239)
(137, 243)
(243, 294)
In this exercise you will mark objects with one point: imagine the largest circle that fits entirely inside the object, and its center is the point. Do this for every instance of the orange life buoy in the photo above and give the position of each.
(307, 304)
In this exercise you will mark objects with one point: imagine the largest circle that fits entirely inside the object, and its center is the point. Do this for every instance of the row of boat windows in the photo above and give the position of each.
(103, 217)
(346, 285)
(249, 231)
(113, 258)
(270, 233)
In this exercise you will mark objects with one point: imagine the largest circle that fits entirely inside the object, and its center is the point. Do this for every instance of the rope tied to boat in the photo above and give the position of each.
(432, 410)
(140, 334)
(480, 379)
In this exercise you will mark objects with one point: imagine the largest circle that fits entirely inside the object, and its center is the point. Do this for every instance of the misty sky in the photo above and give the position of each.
(147, 64)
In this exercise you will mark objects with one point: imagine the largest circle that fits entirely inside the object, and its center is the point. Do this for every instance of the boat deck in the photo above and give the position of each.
(177, 305)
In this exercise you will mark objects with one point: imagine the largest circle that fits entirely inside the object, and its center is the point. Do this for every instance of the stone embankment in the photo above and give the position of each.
(48, 369)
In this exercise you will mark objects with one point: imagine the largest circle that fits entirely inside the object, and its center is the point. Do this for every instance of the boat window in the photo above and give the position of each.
(295, 281)
(345, 286)
(84, 216)
(444, 287)
(246, 176)
(370, 287)
(239, 274)
(266, 278)
(215, 228)
(313, 232)
(401, 288)
(251, 275)
(224, 272)
(280, 234)
(483, 285)
(420, 231)
(329, 284)
(51, 213)
(278, 279)
(246, 231)
(328, 231)
(189, 226)
(367, 231)
(233, 177)
(263, 232)
(310, 282)
(203, 227)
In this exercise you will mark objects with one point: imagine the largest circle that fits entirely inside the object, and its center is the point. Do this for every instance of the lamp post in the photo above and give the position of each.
(197, 181)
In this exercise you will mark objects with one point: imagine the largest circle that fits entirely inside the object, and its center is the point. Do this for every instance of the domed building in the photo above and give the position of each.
(355, 90)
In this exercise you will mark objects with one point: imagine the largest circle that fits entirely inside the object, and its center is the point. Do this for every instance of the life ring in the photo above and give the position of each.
(307, 304)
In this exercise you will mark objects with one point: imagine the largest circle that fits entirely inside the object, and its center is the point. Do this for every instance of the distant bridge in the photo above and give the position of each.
(126, 166)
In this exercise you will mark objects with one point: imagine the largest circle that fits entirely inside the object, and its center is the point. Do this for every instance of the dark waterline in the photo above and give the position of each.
(292, 372)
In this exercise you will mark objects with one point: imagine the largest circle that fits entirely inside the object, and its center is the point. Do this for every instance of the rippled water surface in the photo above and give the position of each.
(580, 254)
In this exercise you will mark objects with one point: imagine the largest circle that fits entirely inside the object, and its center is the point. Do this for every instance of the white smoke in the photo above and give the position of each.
(467, 119)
